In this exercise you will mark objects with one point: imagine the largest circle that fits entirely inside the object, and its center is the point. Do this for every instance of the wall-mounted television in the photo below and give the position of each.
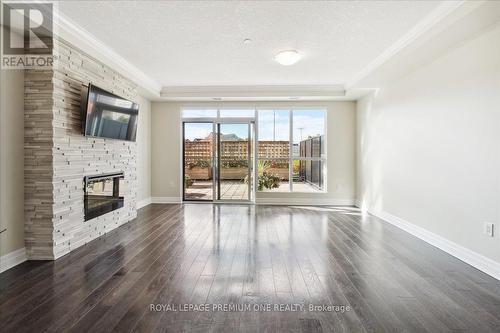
(107, 115)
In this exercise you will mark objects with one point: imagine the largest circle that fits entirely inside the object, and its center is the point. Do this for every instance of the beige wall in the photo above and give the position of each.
(165, 150)
(144, 150)
(429, 146)
(12, 160)
(341, 136)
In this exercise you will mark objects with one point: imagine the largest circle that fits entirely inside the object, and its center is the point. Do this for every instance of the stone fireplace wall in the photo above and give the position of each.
(58, 156)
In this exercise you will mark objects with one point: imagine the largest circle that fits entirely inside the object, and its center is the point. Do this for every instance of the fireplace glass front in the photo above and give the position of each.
(102, 194)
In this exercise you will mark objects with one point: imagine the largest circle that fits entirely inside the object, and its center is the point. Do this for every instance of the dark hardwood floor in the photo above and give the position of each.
(255, 256)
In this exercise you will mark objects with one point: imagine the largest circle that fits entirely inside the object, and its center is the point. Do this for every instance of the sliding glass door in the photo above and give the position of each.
(198, 158)
(234, 162)
(218, 160)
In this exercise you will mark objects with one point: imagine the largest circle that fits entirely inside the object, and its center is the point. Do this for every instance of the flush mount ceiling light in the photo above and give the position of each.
(247, 41)
(288, 57)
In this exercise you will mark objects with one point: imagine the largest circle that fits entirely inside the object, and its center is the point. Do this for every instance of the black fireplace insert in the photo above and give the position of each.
(102, 194)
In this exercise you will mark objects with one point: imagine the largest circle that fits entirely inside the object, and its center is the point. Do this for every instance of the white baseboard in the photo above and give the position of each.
(357, 203)
(472, 258)
(144, 202)
(305, 201)
(12, 259)
(166, 200)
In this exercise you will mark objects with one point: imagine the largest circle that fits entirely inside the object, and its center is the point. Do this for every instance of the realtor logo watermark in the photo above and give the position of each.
(254, 307)
(28, 34)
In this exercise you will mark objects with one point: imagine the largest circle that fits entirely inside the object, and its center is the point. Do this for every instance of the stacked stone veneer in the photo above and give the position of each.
(58, 156)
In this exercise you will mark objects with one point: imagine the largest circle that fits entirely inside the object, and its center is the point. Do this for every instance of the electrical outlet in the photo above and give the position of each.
(488, 229)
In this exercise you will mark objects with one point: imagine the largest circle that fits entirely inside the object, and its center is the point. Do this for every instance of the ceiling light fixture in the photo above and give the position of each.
(247, 41)
(288, 57)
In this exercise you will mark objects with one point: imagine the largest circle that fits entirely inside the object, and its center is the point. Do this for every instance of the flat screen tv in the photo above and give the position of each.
(107, 115)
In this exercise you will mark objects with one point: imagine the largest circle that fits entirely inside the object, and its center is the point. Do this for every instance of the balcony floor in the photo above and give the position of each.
(230, 190)
(237, 190)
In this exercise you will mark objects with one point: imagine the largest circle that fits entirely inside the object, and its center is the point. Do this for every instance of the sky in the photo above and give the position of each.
(202, 130)
(306, 123)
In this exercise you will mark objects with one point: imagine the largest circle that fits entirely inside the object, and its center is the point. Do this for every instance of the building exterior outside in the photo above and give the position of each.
(198, 158)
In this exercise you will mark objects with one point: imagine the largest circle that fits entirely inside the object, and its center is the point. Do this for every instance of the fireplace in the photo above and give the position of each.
(102, 194)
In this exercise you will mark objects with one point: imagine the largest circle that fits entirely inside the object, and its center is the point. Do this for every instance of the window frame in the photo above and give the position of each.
(323, 158)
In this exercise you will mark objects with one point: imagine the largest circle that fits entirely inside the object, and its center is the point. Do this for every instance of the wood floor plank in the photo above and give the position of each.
(31, 272)
(262, 257)
(55, 275)
(136, 275)
(453, 321)
(68, 298)
(193, 267)
(62, 294)
(463, 305)
(122, 306)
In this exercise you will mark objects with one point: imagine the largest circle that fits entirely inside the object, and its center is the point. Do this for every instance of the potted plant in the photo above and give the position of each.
(266, 179)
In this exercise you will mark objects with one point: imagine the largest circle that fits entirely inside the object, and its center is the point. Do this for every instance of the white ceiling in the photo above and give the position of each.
(200, 43)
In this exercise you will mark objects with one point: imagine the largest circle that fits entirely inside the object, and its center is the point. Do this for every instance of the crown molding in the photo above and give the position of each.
(425, 25)
(254, 92)
(74, 34)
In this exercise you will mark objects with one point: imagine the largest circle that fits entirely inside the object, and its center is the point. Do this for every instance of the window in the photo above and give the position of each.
(308, 150)
(296, 165)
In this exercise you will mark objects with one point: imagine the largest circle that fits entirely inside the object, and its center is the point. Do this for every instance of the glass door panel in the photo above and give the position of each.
(198, 149)
(252, 161)
(234, 163)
